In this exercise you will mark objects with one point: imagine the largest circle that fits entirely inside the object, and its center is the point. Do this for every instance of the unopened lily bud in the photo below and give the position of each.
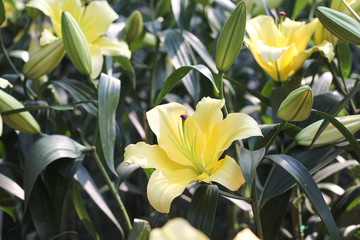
(134, 26)
(231, 38)
(297, 106)
(44, 60)
(331, 134)
(23, 121)
(339, 24)
(75, 44)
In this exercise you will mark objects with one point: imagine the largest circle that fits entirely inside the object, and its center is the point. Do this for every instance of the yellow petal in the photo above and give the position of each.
(97, 60)
(246, 234)
(177, 229)
(97, 19)
(268, 53)
(228, 173)
(263, 27)
(301, 33)
(149, 156)
(164, 187)
(111, 47)
(165, 121)
(47, 37)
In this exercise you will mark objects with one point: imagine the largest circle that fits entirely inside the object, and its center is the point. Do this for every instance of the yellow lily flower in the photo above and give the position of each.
(177, 229)
(280, 50)
(93, 19)
(189, 148)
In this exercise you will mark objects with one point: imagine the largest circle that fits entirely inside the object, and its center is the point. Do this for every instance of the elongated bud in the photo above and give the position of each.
(75, 44)
(339, 24)
(2, 12)
(134, 26)
(297, 106)
(331, 134)
(44, 60)
(231, 38)
(23, 121)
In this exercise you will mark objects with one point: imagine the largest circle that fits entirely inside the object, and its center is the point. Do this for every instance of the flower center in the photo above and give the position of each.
(187, 145)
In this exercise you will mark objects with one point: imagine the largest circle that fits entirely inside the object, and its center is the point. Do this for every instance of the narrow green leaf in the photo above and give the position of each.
(126, 64)
(178, 9)
(2, 12)
(109, 95)
(231, 38)
(180, 73)
(248, 161)
(181, 54)
(347, 233)
(82, 213)
(7, 204)
(11, 186)
(79, 91)
(299, 6)
(333, 168)
(45, 151)
(140, 230)
(87, 183)
(344, 131)
(202, 209)
(343, 52)
(341, 203)
(308, 185)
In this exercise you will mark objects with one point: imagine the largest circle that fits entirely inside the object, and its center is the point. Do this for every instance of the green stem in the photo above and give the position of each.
(154, 66)
(92, 83)
(256, 211)
(235, 196)
(220, 86)
(113, 190)
(6, 54)
(278, 130)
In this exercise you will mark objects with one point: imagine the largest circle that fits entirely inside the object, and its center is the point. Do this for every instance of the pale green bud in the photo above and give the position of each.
(75, 44)
(231, 38)
(134, 26)
(297, 106)
(331, 134)
(23, 121)
(44, 60)
(339, 24)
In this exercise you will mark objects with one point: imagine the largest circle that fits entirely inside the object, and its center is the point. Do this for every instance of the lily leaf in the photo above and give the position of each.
(308, 185)
(140, 230)
(11, 186)
(341, 203)
(109, 95)
(248, 161)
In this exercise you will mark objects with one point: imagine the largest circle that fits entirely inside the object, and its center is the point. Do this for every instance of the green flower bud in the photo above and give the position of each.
(75, 44)
(23, 121)
(331, 134)
(297, 106)
(134, 26)
(231, 38)
(44, 60)
(339, 24)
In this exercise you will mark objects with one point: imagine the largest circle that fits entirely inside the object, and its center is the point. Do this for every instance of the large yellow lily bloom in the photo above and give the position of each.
(280, 50)
(189, 148)
(94, 20)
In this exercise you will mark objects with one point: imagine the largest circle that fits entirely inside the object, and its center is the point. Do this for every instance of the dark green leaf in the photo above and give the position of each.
(11, 186)
(203, 208)
(140, 230)
(344, 55)
(7, 204)
(333, 168)
(79, 91)
(344, 131)
(178, 74)
(45, 151)
(82, 213)
(308, 185)
(248, 161)
(109, 95)
(181, 54)
(299, 6)
(347, 233)
(2, 12)
(341, 204)
(87, 183)
(126, 64)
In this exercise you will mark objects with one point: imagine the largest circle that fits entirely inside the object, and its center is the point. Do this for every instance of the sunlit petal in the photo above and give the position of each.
(164, 187)
(228, 173)
(268, 53)
(263, 27)
(149, 156)
(47, 37)
(97, 60)
(246, 234)
(96, 20)
(111, 47)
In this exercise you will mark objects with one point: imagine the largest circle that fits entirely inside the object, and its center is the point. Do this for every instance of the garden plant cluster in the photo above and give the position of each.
(179, 119)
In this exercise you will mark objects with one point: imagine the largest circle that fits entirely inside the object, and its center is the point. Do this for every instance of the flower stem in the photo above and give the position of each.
(220, 86)
(112, 190)
(6, 54)
(278, 130)
(256, 211)
(92, 83)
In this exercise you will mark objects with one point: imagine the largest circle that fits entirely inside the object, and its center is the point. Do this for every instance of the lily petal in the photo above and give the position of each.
(263, 27)
(97, 60)
(47, 37)
(111, 47)
(228, 173)
(164, 187)
(93, 27)
(165, 121)
(149, 156)
(270, 54)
